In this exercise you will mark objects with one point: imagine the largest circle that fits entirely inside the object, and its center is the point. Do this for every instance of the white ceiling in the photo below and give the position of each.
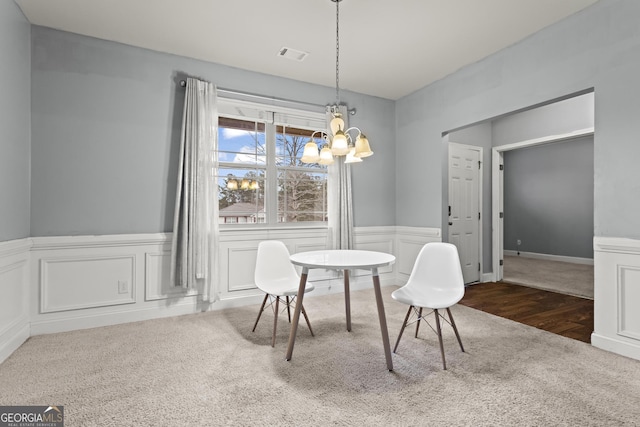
(387, 48)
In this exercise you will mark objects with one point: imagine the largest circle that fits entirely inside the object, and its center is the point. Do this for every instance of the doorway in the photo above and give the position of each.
(558, 120)
(498, 187)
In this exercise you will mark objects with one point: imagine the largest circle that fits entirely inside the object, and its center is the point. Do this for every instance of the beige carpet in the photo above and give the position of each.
(208, 369)
(564, 277)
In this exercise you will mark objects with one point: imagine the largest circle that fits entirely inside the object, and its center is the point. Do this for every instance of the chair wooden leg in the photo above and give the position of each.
(307, 319)
(418, 321)
(289, 309)
(275, 323)
(404, 324)
(264, 301)
(444, 364)
(455, 329)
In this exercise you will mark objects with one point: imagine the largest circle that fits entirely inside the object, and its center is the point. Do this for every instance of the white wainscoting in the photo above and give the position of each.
(89, 281)
(409, 242)
(238, 250)
(617, 296)
(14, 295)
(83, 282)
(56, 284)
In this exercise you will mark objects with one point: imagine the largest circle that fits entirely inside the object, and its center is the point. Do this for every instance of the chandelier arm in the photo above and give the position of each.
(321, 132)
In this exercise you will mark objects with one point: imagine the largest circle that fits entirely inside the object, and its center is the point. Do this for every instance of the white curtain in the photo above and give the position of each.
(194, 249)
(339, 195)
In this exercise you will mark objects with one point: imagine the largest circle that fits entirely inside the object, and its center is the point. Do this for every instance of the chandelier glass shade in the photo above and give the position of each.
(339, 142)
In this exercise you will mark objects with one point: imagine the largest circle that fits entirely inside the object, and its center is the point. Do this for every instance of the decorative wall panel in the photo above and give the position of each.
(157, 281)
(85, 282)
(617, 295)
(410, 242)
(628, 301)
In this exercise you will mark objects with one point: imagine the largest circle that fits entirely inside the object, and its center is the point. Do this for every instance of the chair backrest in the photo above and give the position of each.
(273, 264)
(438, 267)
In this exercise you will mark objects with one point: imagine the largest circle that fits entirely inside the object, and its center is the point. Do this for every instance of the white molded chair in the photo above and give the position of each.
(435, 283)
(277, 277)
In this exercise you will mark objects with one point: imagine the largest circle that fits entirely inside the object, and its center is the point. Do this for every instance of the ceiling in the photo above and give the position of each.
(387, 48)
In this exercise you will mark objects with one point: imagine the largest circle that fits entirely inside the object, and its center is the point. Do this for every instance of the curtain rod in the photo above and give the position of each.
(231, 93)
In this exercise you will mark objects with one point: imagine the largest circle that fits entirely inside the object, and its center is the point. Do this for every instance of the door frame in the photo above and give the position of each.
(497, 189)
(480, 151)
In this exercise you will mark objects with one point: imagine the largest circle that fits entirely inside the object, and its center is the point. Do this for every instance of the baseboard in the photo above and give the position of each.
(623, 348)
(549, 257)
(488, 277)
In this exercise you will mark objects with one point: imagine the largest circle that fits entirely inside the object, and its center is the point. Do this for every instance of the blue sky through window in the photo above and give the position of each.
(241, 146)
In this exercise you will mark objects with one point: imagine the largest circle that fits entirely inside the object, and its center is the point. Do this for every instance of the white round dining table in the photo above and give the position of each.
(341, 259)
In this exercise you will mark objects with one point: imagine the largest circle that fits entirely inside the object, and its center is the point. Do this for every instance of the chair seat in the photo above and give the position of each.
(436, 299)
(283, 287)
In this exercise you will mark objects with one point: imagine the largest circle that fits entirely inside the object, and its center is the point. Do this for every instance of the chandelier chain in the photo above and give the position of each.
(337, 52)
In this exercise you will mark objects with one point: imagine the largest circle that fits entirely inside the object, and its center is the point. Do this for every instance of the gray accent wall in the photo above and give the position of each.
(548, 198)
(15, 75)
(597, 48)
(106, 123)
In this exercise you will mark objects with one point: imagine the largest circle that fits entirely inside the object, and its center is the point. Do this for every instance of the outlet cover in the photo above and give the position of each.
(123, 286)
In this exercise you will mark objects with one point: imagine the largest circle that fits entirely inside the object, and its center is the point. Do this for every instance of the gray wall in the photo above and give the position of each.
(598, 48)
(548, 198)
(14, 122)
(557, 118)
(105, 131)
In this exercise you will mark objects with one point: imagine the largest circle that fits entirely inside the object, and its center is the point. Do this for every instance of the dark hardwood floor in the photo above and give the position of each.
(561, 314)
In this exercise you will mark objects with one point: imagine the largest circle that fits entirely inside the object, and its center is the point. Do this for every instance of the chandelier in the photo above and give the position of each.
(339, 142)
(243, 184)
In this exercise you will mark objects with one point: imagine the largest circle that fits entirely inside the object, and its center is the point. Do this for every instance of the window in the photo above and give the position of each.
(261, 179)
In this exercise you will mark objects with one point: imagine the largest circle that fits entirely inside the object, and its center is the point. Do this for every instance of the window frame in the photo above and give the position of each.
(274, 116)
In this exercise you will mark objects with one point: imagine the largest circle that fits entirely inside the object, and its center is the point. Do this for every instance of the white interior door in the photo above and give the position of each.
(464, 207)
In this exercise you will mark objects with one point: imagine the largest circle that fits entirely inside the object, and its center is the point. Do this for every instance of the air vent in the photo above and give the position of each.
(293, 54)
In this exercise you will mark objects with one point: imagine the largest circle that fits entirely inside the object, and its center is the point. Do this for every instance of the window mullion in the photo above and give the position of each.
(271, 202)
